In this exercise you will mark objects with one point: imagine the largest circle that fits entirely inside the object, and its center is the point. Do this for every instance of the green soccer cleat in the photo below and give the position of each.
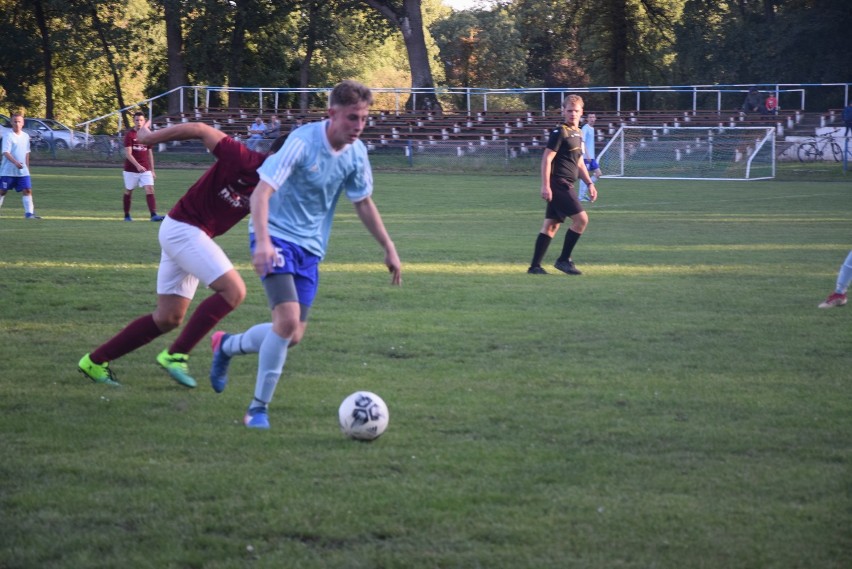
(176, 365)
(99, 373)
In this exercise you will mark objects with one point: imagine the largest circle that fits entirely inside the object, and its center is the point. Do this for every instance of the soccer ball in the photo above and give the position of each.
(363, 416)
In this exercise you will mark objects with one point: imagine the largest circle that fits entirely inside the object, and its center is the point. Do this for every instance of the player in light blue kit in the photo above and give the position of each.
(592, 166)
(291, 215)
(15, 166)
(844, 277)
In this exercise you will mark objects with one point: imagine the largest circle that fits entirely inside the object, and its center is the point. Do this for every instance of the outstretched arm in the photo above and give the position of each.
(369, 215)
(184, 131)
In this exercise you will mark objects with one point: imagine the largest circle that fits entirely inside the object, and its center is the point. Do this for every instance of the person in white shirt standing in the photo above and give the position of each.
(588, 131)
(15, 166)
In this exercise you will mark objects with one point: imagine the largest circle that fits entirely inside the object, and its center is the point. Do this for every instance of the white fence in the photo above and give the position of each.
(702, 97)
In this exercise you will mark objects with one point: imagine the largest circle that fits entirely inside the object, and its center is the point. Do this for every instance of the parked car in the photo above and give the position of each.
(57, 134)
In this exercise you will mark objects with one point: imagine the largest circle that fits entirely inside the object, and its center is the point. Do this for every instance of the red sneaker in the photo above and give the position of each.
(835, 299)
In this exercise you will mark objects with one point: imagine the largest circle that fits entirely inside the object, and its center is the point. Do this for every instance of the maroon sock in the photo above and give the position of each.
(205, 317)
(152, 203)
(135, 335)
(127, 199)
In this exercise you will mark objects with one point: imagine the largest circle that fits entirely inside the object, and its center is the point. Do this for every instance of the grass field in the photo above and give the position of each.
(683, 404)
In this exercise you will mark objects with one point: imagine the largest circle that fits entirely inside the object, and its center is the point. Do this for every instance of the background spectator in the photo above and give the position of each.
(753, 102)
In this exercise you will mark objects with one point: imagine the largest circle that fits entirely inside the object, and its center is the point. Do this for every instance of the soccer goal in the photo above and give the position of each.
(689, 153)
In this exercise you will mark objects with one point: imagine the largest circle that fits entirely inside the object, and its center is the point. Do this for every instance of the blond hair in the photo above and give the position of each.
(571, 99)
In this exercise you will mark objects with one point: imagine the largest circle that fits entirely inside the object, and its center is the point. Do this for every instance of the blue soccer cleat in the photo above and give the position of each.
(256, 418)
(221, 361)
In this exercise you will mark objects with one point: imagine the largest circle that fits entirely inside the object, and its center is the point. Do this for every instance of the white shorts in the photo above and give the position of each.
(189, 255)
(133, 180)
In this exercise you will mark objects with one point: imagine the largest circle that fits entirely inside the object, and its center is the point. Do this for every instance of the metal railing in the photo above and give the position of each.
(703, 97)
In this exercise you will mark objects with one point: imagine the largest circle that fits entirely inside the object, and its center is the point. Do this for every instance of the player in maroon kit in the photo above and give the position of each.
(138, 169)
(212, 206)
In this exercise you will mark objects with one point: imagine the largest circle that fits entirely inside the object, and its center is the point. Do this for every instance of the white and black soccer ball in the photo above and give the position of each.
(363, 416)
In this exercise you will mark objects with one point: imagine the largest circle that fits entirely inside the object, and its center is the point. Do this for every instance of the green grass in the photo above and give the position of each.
(682, 404)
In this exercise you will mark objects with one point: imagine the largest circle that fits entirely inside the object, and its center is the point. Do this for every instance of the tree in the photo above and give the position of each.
(328, 28)
(480, 49)
(176, 76)
(21, 63)
(548, 30)
(46, 54)
(106, 51)
(106, 41)
(407, 17)
(630, 42)
(65, 71)
(242, 11)
(774, 41)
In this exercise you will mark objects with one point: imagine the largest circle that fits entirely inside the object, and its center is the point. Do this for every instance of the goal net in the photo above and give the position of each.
(689, 153)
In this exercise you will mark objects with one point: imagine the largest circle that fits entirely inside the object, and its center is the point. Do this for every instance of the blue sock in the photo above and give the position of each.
(270, 364)
(844, 277)
(248, 342)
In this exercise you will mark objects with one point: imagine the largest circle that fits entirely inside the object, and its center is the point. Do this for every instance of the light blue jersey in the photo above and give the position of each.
(589, 140)
(18, 145)
(309, 176)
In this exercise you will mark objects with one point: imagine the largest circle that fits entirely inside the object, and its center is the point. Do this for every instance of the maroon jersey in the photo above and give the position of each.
(139, 151)
(220, 198)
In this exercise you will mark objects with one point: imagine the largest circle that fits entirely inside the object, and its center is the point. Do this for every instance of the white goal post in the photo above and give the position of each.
(690, 153)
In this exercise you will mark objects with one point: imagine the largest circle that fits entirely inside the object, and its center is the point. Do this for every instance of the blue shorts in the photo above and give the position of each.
(296, 261)
(17, 183)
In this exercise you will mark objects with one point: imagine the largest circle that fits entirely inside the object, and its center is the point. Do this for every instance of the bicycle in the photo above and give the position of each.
(106, 147)
(38, 143)
(816, 148)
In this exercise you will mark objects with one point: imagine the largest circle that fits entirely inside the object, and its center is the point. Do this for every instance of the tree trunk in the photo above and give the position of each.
(235, 64)
(409, 20)
(47, 56)
(305, 75)
(619, 48)
(174, 53)
(769, 10)
(310, 42)
(116, 79)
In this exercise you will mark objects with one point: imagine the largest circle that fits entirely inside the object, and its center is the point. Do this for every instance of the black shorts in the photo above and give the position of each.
(564, 202)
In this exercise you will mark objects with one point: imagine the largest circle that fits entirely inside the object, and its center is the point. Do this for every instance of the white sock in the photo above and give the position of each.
(3, 197)
(28, 204)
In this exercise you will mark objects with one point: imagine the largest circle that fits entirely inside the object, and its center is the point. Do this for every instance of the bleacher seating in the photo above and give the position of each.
(521, 129)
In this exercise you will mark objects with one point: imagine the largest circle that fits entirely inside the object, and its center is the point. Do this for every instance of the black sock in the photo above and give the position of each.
(571, 239)
(542, 242)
